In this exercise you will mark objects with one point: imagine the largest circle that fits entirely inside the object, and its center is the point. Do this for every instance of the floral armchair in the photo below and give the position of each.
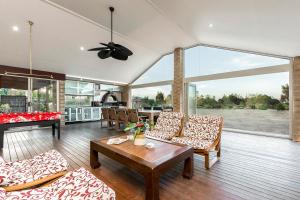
(169, 125)
(31, 172)
(203, 133)
(77, 184)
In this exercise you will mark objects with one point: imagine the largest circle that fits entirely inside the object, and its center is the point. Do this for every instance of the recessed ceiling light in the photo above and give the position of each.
(82, 48)
(15, 28)
(210, 25)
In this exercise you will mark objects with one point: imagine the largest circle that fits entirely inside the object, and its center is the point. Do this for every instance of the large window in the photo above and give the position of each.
(154, 88)
(202, 60)
(162, 70)
(255, 100)
(255, 103)
(150, 97)
(15, 94)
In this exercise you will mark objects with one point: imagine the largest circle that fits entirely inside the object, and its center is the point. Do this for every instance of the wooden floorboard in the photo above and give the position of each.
(251, 167)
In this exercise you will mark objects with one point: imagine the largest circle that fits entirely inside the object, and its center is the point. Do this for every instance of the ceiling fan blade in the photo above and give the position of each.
(109, 45)
(97, 49)
(123, 49)
(119, 55)
(104, 54)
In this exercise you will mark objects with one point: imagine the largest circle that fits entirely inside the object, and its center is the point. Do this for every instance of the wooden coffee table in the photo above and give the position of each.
(151, 163)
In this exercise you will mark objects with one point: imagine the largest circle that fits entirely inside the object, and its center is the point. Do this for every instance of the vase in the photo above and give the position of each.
(140, 140)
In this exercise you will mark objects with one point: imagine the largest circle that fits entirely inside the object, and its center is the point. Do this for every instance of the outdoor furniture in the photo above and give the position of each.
(77, 184)
(28, 173)
(134, 116)
(157, 108)
(150, 114)
(122, 118)
(104, 116)
(147, 108)
(112, 117)
(149, 163)
(203, 133)
(168, 109)
(11, 120)
(169, 125)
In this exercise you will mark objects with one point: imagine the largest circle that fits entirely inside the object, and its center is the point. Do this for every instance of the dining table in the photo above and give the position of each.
(150, 114)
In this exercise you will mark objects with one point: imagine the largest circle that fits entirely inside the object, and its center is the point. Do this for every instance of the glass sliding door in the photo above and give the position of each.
(13, 94)
(254, 103)
(192, 98)
(44, 95)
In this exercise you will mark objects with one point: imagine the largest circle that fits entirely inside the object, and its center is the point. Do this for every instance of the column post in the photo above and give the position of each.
(126, 95)
(178, 82)
(295, 104)
(61, 96)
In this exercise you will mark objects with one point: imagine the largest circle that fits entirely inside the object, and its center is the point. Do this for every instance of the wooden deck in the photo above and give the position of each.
(251, 167)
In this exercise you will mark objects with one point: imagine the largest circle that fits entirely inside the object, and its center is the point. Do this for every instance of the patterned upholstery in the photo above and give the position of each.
(200, 131)
(196, 143)
(204, 127)
(76, 185)
(25, 171)
(168, 125)
(164, 135)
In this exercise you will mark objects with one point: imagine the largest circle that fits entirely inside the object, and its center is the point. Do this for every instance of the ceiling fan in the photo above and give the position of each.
(112, 49)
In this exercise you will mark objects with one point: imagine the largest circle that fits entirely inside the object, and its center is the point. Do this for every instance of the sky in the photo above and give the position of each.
(202, 60)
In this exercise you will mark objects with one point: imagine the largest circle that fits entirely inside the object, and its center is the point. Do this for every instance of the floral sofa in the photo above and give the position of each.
(27, 173)
(169, 125)
(203, 133)
(76, 185)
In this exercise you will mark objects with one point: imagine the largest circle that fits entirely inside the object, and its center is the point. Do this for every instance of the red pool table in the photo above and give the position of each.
(10, 120)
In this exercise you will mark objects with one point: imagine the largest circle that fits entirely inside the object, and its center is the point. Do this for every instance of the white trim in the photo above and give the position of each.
(265, 134)
(154, 84)
(240, 50)
(240, 73)
(87, 79)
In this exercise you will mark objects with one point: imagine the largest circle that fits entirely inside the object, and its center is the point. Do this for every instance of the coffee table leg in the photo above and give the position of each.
(94, 159)
(152, 186)
(188, 167)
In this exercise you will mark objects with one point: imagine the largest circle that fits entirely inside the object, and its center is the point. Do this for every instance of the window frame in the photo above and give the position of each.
(245, 73)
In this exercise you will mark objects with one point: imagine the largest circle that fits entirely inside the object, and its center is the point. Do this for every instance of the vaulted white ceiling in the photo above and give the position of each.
(150, 28)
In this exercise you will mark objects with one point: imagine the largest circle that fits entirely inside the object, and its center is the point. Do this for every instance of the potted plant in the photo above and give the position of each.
(138, 129)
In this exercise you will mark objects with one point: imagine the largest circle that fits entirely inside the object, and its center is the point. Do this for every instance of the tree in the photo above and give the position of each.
(285, 91)
(168, 100)
(160, 98)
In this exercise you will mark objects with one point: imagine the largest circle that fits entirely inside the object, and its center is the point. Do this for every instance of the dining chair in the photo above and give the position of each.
(112, 117)
(104, 117)
(122, 118)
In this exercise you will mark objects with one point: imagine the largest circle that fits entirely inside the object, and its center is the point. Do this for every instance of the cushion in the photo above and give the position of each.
(168, 125)
(160, 134)
(76, 185)
(204, 127)
(196, 143)
(25, 171)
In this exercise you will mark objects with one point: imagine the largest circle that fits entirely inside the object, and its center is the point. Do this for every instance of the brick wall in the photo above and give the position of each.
(126, 95)
(178, 83)
(296, 99)
(61, 96)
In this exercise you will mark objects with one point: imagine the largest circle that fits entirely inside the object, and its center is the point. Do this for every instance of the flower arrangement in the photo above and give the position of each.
(137, 128)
